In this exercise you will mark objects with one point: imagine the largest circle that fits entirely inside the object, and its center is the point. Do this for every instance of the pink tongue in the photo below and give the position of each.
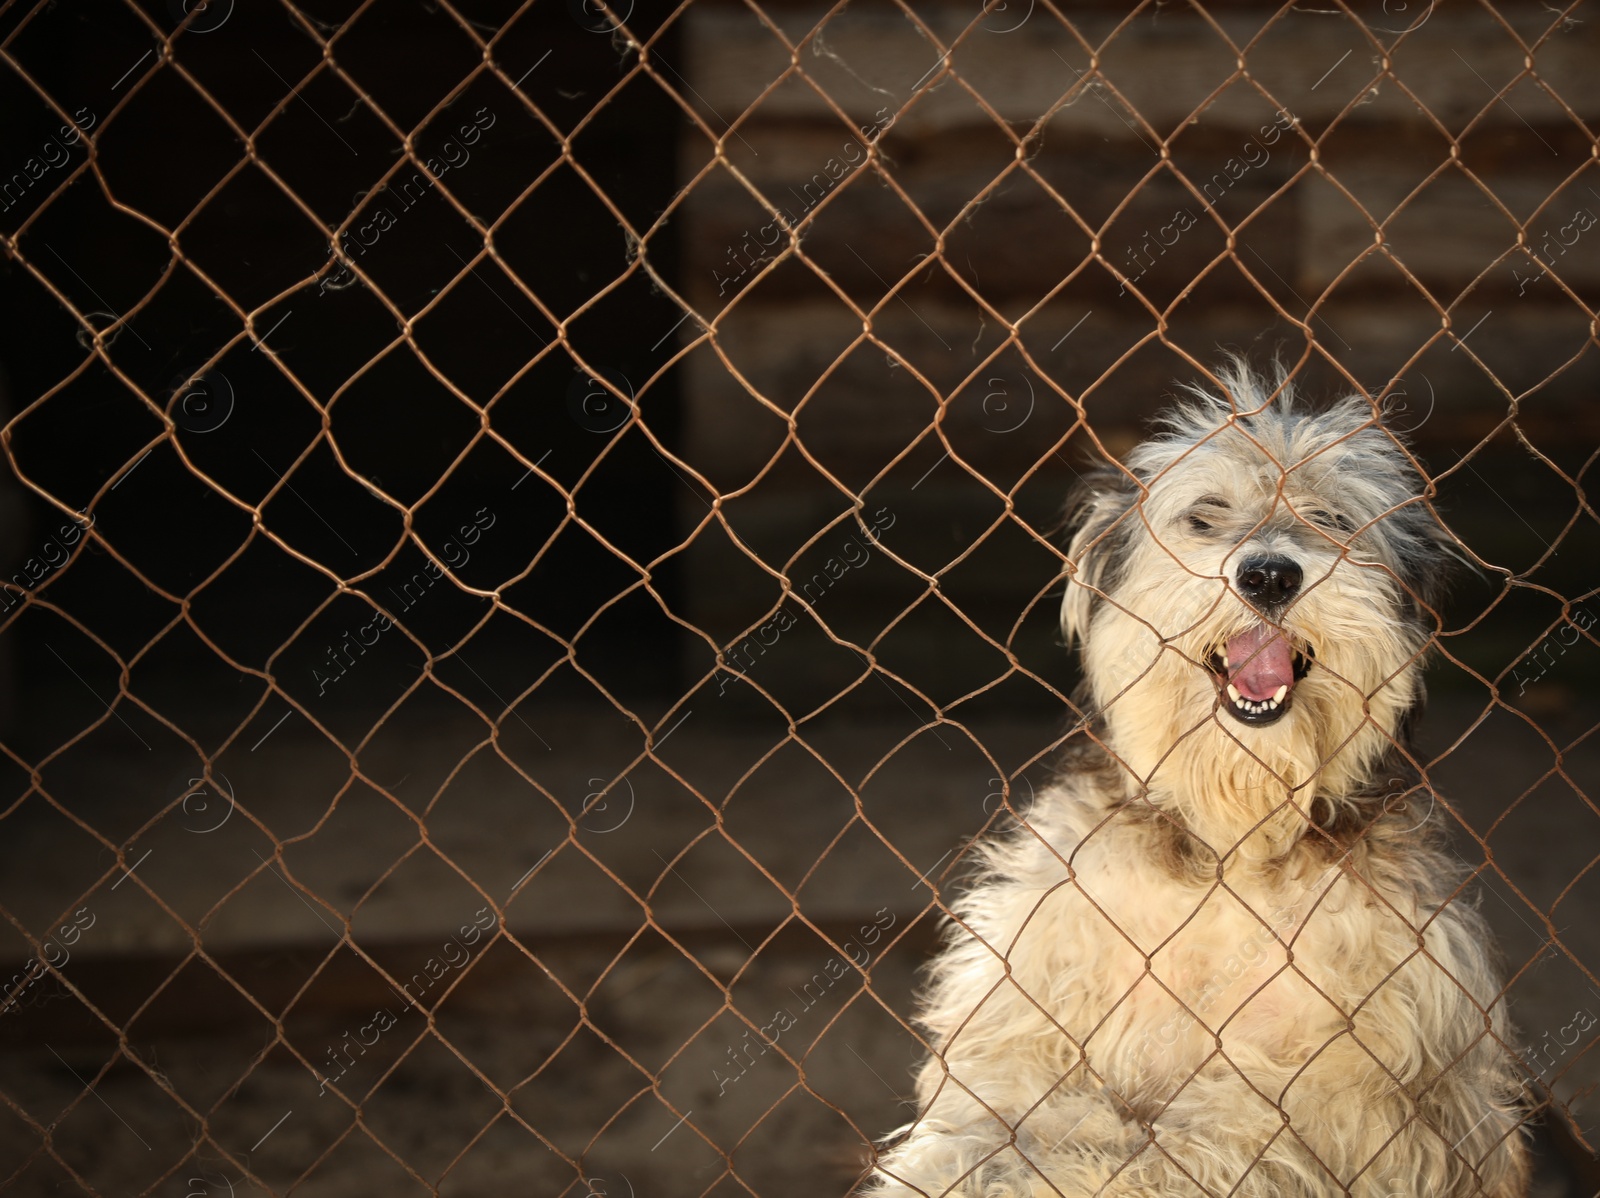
(1261, 661)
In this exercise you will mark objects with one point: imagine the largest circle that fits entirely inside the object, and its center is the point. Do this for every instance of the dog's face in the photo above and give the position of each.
(1253, 602)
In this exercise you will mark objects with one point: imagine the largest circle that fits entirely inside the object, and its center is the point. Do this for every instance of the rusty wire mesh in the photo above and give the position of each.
(533, 526)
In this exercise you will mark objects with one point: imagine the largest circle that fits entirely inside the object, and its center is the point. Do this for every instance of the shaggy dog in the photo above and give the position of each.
(1226, 953)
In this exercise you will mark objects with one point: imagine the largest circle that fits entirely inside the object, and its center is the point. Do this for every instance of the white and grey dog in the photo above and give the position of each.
(1225, 953)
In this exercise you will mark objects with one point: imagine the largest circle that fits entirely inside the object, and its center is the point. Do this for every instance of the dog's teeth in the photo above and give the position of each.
(1233, 693)
(1272, 704)
(1279, 694)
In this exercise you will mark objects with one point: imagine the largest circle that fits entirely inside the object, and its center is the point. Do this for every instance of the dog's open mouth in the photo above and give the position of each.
(1256, 673)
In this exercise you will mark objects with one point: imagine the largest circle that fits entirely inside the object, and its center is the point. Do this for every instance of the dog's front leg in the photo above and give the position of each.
(1081, 1148)
(1070, 1148)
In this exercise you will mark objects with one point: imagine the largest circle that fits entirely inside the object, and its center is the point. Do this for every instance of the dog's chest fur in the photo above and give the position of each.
(1152, 969)
(1182, 972)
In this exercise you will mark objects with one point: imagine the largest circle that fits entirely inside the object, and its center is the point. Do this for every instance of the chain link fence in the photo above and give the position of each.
(532, 544)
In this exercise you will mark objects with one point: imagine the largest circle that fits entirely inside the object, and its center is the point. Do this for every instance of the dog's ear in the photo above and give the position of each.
(1097, 544)
(1429, 560)
(1426, 556)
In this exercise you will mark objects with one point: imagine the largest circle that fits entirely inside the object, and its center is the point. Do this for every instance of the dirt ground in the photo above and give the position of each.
(617, 1045)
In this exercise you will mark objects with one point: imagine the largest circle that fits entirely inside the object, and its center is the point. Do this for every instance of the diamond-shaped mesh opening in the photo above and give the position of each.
(531, 570)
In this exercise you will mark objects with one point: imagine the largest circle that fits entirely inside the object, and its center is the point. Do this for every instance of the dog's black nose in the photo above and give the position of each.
(1269, 580)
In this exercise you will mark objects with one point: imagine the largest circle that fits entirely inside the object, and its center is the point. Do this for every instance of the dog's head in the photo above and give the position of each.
(1253, 594)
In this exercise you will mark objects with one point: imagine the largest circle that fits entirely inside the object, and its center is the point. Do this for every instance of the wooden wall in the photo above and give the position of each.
(1051, 220)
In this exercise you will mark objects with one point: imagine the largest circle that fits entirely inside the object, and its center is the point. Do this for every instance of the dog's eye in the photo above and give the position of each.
(1197, 524)
(1331, 520)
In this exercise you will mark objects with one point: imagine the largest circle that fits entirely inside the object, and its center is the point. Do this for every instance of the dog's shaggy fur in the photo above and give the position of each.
(1226, 953)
